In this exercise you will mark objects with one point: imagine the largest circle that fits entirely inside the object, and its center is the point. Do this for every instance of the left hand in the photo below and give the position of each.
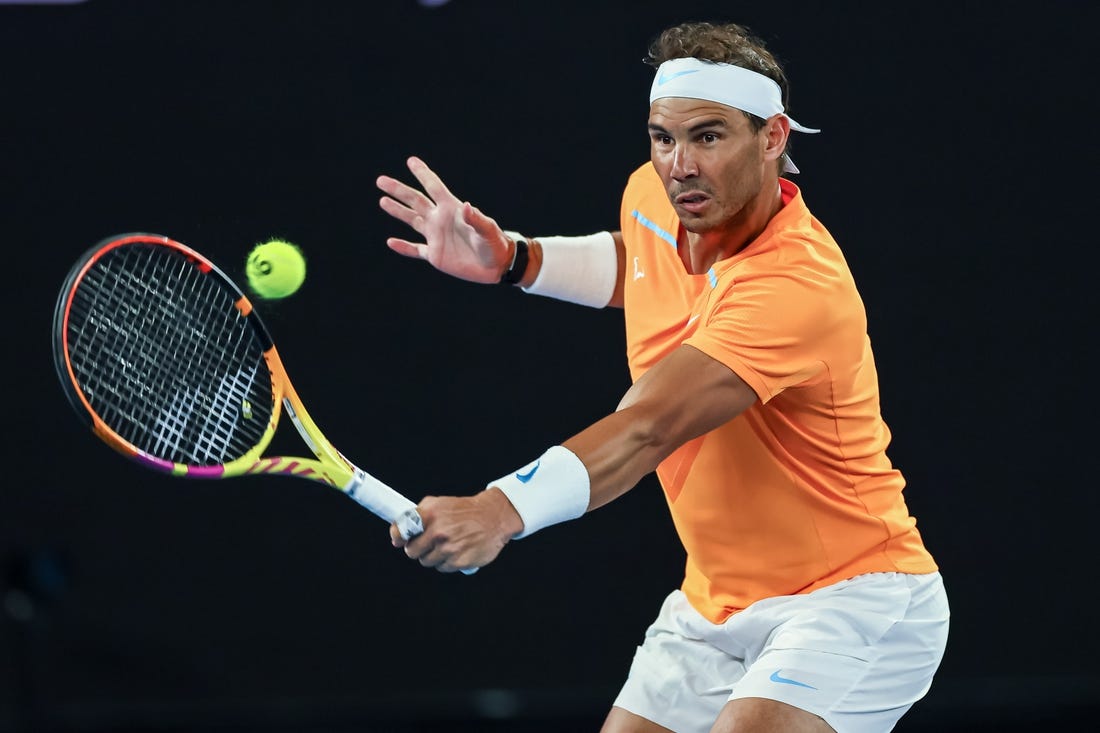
(461, 532)
(459, 239)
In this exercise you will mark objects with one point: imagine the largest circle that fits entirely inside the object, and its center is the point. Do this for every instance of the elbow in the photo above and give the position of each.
(653, 435)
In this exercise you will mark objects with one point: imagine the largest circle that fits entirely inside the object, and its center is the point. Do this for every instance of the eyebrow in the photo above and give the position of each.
(694, 129)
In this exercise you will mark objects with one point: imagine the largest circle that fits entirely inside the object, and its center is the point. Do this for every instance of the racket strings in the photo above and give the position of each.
(166, 359)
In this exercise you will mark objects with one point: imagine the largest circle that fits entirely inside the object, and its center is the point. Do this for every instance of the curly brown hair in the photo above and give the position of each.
(727, 43)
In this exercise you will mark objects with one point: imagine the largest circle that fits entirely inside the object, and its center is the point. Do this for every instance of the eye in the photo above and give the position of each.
(709, 137)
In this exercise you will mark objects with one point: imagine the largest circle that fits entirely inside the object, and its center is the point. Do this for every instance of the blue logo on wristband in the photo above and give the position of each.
(525, 477)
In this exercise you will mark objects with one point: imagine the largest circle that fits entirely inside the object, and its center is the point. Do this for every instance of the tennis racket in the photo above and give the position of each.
(167, 361)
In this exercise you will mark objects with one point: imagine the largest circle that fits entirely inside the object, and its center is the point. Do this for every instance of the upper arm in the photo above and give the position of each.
(620, 278)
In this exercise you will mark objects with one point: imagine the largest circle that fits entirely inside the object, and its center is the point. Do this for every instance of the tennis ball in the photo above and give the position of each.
(275, 269)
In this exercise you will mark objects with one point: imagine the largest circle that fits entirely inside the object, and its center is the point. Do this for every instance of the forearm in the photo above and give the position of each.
(594, 467)
(684, 396)
(618, 451)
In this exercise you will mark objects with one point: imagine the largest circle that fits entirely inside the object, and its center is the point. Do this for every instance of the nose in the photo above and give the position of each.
(683, 164)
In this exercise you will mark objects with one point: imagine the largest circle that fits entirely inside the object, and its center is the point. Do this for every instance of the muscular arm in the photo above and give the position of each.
(685, 395)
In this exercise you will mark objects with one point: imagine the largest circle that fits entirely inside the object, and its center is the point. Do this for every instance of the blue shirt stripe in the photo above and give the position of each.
(712, 278)
(653, 227)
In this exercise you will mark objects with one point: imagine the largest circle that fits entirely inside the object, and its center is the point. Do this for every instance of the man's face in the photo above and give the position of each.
(711, 162)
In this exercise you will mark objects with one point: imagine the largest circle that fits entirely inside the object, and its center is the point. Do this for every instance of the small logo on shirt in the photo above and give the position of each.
(638, 272)
(525, 477)
(693, 319)
(787, 681)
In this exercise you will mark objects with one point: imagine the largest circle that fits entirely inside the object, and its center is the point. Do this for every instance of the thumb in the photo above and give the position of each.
(482, 224)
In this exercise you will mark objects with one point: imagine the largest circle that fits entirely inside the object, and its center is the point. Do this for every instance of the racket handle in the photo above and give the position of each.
(388, 504)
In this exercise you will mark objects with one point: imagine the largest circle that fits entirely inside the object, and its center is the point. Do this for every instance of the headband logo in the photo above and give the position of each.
(664, 77)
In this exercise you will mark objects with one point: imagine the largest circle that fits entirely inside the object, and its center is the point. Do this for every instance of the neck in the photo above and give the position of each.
(699, 251)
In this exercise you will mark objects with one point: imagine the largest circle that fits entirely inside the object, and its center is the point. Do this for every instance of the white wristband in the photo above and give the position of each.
(552, 489)
(580, 270)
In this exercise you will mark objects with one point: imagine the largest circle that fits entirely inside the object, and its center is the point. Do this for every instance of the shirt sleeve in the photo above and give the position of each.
(773, 330)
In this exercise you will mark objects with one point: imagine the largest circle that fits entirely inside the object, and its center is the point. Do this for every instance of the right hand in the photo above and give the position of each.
(461, 532)
(458, 239)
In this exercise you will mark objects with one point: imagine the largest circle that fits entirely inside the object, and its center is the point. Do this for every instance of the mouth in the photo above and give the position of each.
(691, 201)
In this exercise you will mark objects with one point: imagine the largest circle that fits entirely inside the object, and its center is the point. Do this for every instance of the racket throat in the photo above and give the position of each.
(288, 406)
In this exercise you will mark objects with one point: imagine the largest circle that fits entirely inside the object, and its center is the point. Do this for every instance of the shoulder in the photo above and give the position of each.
(795, 248)
(645, 203)
(644, 172)
(644, 182)
(643, 191)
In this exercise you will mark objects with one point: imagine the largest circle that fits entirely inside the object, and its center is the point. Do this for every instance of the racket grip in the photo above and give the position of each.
(388, 504)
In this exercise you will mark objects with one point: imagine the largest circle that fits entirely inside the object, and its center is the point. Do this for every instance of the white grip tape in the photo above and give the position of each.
(580, 270)
(386, 503)
(380, 499)
(554, 488)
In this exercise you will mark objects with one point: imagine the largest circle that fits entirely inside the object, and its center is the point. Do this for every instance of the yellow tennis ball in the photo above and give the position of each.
(275, 269)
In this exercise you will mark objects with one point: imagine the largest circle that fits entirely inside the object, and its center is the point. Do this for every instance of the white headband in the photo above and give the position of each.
(733, 86)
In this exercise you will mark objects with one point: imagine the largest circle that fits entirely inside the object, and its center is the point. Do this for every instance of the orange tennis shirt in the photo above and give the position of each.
(796, 492)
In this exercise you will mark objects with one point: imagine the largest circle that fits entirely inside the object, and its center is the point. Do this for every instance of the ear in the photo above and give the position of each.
(776, 131)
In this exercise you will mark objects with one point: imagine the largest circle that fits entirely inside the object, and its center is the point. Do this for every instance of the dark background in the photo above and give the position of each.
(953, 169)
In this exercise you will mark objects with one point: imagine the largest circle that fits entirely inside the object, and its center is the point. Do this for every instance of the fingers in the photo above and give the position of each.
(417, 210)
(395, 536)
(404, 193)
(407, 248)
(404, 203)
(433, 184)
(443, 545)
(432, 554)
(406, 213)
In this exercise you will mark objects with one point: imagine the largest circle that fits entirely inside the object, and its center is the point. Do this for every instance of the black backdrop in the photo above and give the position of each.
(951, 169)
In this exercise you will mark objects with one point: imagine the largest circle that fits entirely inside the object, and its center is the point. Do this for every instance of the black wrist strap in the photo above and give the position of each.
(516, 270)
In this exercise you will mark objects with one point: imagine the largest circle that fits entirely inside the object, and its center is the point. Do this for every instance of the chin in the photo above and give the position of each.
(695, 224)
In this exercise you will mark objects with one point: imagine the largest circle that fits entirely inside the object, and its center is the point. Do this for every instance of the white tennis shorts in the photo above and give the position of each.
(858, 654)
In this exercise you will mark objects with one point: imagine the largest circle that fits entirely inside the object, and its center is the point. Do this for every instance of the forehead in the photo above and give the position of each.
(675, 112)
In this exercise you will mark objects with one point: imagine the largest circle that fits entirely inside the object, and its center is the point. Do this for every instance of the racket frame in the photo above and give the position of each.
(328, 466)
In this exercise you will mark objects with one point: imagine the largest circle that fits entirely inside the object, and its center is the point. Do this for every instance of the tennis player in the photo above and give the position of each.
(809, 601)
